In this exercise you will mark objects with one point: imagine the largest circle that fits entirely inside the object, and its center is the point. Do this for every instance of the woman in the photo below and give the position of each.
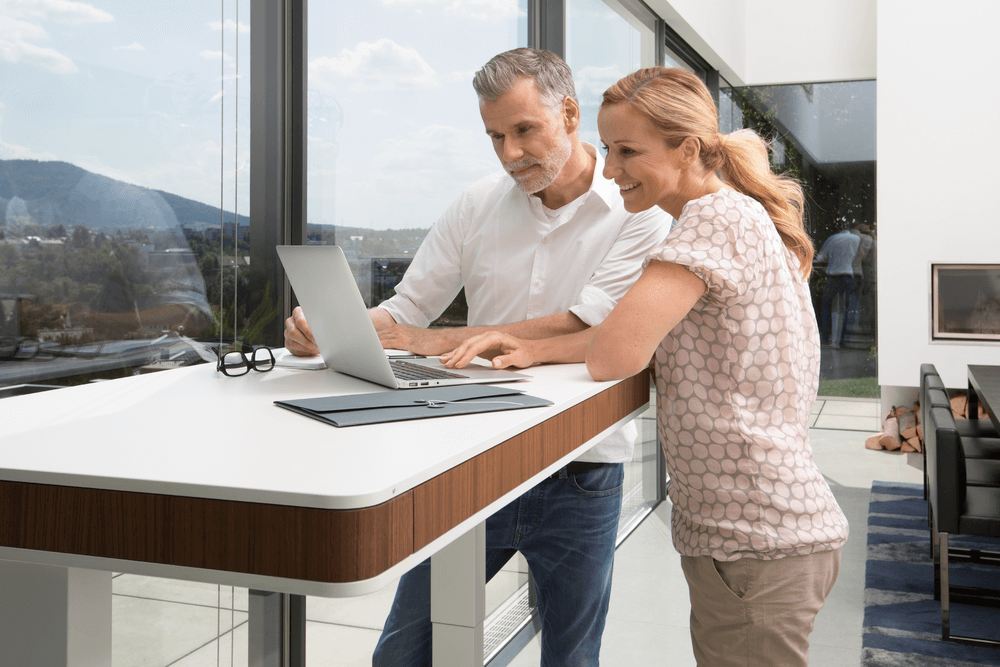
(724, 311)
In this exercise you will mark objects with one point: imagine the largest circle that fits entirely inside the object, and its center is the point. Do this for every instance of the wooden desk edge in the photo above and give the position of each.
(330, 546)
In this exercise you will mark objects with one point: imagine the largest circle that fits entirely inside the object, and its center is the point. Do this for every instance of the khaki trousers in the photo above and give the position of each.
(752, 612)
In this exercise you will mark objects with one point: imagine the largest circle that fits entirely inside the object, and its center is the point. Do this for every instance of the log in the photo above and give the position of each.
(907, 447)
(873, 442)
(959, 406)
(906, 422)
(890, 433)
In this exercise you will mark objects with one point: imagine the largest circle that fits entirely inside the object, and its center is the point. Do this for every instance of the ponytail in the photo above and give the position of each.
(678, 104)
(744, 165)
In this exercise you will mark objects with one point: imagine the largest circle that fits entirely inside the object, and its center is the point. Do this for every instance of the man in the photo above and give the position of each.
(866, 244)
(550, 256)
(839, 250)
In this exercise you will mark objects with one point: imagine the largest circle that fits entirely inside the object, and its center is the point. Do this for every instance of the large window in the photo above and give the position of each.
(120, 175)
(824, 134)
(395, 135)
(604, 42)
(394, 127)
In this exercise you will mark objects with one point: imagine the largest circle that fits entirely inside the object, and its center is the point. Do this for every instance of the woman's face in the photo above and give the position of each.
(647, 172)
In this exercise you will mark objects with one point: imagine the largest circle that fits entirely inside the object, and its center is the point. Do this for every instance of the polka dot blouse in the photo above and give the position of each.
(736, 381)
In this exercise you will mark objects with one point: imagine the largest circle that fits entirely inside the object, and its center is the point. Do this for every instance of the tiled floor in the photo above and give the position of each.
(160, 623)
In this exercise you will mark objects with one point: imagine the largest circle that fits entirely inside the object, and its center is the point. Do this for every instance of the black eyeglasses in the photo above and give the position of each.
(236, 362)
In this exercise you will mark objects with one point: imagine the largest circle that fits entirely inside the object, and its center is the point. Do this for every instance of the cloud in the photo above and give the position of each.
(410, 179)
(61, 11)
(435, 152)
(480, 10)
(20, 29)
(134, 46)
(229, 25)
(591, 82)
(460, 77)
(382, 65)
(16, 46)
(215, 55)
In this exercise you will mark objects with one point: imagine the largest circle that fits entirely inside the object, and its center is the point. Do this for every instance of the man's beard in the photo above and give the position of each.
(550, 166)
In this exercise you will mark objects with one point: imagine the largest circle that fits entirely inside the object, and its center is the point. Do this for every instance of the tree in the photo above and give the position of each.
(81, 237)
(117, 295)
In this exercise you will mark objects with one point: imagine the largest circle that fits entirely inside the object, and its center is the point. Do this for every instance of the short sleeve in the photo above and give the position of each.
(716, 239)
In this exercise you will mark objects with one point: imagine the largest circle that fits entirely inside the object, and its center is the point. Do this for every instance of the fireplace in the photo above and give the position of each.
(965, 302)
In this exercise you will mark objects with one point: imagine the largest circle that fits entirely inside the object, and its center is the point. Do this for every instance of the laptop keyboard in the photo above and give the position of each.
(404, 370)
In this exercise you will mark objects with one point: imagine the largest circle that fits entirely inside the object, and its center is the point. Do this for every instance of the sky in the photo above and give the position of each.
(131, 90)
(157, 94)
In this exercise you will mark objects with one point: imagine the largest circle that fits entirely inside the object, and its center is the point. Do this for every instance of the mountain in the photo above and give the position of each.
(33, 192)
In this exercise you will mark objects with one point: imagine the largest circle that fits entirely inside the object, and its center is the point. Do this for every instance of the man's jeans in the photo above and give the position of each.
(837, 288)
(566, 529)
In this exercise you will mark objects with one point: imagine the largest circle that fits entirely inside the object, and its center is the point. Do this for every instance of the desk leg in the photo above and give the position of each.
(51, 615)
(458, 600)
(277, 636)
(972, 407)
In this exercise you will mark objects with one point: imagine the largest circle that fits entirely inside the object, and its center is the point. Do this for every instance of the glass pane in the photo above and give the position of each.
(118, 170)
(604, 42)
(395, 136)
(824, 134)
(394, 127)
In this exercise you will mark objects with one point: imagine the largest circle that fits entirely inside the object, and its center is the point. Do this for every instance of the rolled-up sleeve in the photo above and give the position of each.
(641, 234)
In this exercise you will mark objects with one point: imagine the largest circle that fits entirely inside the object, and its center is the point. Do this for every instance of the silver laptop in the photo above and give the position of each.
(345, 335)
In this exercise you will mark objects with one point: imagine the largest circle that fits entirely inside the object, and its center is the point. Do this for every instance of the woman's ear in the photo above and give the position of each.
(690, 150)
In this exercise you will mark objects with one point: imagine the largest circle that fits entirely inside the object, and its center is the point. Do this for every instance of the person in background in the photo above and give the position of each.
(542, 248)
(858, 302)
(724, 312)
(839, 251)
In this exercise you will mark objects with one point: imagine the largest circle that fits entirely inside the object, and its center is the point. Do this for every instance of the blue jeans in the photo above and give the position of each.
(836, 286)
(566, 529)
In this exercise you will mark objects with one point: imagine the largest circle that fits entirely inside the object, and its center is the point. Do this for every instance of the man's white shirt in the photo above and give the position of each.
(519, 261)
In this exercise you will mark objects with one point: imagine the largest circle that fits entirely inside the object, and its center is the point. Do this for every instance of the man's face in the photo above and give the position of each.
(530, 138)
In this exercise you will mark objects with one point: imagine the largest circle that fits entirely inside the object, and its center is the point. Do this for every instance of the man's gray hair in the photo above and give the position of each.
(551, 74)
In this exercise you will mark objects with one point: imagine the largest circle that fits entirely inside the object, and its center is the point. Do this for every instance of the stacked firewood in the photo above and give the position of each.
(902, 430)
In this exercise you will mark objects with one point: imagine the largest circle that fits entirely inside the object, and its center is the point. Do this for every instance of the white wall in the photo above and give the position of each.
(758, 42)
(795, 41)
(938, 167)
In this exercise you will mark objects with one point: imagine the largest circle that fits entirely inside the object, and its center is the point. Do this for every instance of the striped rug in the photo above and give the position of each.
(902, 624)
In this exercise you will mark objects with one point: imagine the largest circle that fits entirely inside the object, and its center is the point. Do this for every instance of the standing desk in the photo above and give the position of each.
(188, 474)
(984, 387)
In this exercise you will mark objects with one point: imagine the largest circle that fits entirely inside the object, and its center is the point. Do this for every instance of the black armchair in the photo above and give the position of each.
(957, 509)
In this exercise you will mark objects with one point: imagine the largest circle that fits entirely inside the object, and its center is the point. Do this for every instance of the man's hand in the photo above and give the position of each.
(428, 342)
(298, 336)
(505, 349)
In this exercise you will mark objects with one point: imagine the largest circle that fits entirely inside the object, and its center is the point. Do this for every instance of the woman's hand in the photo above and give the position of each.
(506, 351)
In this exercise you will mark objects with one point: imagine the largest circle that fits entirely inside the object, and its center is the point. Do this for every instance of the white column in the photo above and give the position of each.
(54, 616)
(458, 600)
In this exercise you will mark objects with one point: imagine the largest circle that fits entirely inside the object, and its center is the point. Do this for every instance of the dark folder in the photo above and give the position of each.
(406, 404)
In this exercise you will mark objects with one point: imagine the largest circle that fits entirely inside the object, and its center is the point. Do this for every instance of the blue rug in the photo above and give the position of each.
(902, 623)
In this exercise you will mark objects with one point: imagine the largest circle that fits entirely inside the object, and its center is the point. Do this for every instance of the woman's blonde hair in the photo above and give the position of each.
(679, 105)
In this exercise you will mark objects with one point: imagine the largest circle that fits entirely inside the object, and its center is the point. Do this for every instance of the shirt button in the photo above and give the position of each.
(544, 241)
(538, 282)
